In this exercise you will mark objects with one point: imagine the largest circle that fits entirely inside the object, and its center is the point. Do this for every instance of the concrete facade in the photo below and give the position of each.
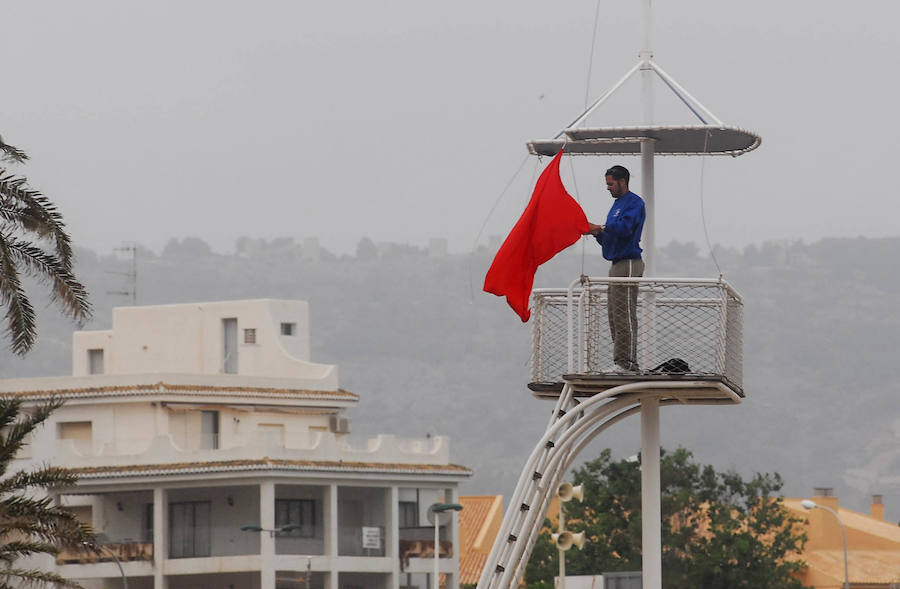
(181, 462)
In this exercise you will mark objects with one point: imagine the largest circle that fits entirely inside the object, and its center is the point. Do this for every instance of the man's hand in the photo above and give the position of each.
(594, 229)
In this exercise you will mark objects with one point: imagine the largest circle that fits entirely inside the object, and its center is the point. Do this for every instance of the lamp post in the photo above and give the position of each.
(118, 564)
(809, 504)
(272, 532)
(434, 513)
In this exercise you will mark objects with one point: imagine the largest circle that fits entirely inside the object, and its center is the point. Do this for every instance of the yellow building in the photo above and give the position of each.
(479, 522)
(873, 545)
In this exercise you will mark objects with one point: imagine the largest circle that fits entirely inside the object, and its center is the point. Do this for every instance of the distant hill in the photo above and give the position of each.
(430, 353)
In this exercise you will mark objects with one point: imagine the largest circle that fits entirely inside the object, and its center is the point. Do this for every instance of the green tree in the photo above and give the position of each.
(718, 530)
(33, 242)
(30, 523)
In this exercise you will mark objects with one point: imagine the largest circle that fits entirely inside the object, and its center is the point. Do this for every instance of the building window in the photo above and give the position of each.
(189, 529)
(408, 512)
(83, 513)
(80, 432)
(250, 336)
(209, 430)
(288, 328)
(147, 523)
(296, 512)
(95, 361)
(229, 350)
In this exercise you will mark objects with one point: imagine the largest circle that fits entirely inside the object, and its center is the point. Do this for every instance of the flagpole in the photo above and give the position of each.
(651, 507)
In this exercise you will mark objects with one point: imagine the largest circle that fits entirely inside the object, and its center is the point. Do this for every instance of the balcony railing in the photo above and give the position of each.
(124, 551)
(697, 321)
(165, 448)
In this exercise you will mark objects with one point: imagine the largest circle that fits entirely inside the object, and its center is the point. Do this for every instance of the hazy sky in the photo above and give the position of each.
(403, 120)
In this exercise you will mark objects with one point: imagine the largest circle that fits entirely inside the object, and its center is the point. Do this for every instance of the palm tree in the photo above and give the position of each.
(33, 242)
(30, 523)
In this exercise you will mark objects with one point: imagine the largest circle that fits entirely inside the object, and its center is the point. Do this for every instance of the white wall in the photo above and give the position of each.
(189, 339)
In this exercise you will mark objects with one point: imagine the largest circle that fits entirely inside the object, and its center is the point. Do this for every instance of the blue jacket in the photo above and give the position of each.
(621, 236)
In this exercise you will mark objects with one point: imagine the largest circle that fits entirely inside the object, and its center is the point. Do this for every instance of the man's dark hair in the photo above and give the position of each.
(619, 173)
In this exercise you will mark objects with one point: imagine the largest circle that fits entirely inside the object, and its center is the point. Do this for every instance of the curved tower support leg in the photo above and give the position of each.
(651, 511)
(553, 456)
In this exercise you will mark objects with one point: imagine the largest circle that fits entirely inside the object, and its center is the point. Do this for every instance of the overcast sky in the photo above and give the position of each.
(403, 120)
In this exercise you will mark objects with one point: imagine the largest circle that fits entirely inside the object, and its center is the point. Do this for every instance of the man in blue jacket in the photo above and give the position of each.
(620, 239)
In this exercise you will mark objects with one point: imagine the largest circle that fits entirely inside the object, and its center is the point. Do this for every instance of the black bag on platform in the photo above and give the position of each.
(673, 366)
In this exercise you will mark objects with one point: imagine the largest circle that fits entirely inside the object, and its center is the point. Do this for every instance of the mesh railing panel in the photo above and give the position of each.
(550, 347)
(699, 322)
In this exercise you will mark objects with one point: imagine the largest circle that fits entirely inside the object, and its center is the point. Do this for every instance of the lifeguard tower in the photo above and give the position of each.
(697, 321)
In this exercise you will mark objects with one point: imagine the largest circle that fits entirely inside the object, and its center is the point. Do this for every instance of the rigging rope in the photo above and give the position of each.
(712, 254)
(487, 218)
(578, 199)
(587, 89)
(587, 97)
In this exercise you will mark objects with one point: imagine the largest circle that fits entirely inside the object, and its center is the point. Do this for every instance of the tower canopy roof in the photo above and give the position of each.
(681, 140)
(710, 136)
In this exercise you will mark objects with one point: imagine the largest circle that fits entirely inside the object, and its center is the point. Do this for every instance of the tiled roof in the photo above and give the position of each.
(141, 390)
(478, 524)
(874, 561)
(865, 567)
(278, 464)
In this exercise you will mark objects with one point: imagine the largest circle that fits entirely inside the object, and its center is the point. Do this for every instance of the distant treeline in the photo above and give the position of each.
(430, 353)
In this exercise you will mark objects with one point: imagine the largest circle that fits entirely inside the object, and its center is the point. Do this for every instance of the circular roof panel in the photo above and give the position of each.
(691, 140)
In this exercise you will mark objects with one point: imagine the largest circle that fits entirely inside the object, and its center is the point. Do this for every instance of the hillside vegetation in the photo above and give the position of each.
(429, 353)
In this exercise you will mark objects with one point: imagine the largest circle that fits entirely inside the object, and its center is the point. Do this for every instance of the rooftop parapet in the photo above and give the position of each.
(697, 321)
(256, 338)
(310, 446)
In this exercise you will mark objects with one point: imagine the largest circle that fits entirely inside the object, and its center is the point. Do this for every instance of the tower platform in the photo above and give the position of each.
(689, 330)
(702, 389)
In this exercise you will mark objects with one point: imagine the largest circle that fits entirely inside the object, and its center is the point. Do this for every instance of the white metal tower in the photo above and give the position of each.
(697, 321)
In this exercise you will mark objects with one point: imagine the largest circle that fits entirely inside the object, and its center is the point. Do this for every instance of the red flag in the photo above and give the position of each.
(552, 221)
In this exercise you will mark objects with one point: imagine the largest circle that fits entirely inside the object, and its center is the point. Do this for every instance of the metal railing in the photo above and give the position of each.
(696, 321)
(124, 551)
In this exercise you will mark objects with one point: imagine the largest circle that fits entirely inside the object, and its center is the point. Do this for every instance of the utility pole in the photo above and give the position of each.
(129, 249)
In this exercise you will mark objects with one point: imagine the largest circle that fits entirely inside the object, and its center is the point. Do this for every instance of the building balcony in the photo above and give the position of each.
(687, 329)
(418, 542)
(125, 551)
(296, 445)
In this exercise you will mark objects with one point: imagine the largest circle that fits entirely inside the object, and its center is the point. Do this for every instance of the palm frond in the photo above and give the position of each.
(66, 291)
(9, 411)
(31, 523)
(11, 153)
(15, 426)
(36, 214)
(12, 551)
(51, 527)
(36, 578)
(20, 323)
(47, 477)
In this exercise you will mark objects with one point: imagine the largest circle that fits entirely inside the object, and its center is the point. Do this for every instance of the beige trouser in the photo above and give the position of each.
(622, 309)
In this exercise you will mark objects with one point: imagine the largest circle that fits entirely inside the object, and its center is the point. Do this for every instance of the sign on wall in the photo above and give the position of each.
(371, 537)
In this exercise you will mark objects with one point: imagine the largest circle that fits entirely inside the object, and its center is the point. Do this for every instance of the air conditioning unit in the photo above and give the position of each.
(339, 425)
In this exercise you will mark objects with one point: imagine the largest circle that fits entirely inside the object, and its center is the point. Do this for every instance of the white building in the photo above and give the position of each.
(187, 423)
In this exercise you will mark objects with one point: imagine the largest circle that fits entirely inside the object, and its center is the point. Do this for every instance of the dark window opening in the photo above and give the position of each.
(300, 513)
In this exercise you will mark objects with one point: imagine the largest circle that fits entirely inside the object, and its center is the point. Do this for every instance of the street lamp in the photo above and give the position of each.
(272, 532)
(809, 504)
(435, 511)
(115, 559)
(118, 564)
